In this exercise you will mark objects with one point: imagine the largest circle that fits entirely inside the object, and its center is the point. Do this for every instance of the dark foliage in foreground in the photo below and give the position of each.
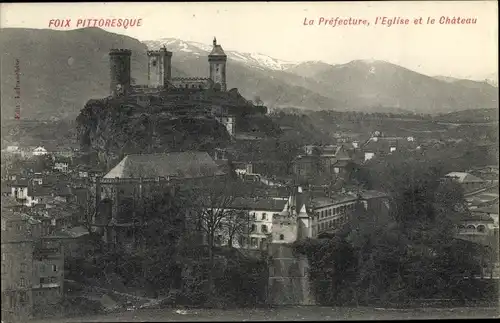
(409, 255)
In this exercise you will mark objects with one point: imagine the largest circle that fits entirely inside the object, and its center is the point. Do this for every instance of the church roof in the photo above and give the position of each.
(186, 164)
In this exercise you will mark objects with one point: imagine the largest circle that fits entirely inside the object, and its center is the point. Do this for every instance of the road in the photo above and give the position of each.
(297, 313)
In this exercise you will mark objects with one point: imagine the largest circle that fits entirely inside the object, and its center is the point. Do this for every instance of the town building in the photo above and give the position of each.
(17, 244)
(379, 145)
(316, 160)
(467, 181)
(40, 151)
(26, 259)
(259, 213)
(301, 214)
(138, 176)
(48, 275)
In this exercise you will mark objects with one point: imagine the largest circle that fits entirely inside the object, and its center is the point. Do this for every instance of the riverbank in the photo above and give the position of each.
(284, 314)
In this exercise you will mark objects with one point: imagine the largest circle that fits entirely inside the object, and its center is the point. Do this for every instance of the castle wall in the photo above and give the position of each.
(192, 83)
(288, 282)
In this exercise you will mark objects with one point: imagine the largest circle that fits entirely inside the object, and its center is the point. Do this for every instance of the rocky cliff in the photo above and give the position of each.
(171, 121)
(114, 128)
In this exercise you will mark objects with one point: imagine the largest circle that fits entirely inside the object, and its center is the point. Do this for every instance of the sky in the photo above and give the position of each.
(277, 29)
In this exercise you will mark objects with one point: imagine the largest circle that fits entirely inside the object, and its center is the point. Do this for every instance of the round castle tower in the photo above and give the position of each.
(119, 60)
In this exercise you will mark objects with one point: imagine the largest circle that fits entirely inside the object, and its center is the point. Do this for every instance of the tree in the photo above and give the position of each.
(411, 254)
(211, 203)
(235, 224)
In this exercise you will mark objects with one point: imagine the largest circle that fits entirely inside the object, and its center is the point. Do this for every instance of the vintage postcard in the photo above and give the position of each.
(249, 161)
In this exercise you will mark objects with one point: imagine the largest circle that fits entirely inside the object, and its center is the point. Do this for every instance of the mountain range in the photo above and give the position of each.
(60, 70)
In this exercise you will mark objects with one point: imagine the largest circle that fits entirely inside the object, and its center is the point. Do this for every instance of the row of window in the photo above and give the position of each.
(9, 225)
(263, 216)
(479, 228)
(23, 268)
(46, 293)
(11, 301)
(263, 228)
(332, 223)
(254, 242)
(48, 280)
(334, 211)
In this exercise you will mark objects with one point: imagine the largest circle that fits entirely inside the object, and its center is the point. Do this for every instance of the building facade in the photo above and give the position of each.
(24, 254)
(17, 265)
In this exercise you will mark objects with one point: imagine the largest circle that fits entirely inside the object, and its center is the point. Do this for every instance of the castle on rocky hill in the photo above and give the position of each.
(160, 72)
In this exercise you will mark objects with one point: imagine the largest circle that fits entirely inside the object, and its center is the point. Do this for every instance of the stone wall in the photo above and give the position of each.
(288, 277)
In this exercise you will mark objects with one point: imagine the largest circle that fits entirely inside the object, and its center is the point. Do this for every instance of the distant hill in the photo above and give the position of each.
(470, 116)
(61, 70)
(377, 83)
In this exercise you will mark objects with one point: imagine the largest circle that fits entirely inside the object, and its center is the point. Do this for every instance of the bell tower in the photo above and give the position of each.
(217, 62)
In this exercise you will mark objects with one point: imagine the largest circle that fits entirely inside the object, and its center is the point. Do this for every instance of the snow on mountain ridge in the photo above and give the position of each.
(258, 60)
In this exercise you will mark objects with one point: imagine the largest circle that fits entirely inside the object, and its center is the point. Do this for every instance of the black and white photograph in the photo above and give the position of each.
(249, 161)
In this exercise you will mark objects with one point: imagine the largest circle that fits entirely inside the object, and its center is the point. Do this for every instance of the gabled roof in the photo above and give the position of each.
(342, 163)
(20, 183)
(476, 217)
(462, 177)
(372, 194)
(40, 190)
(187, 164)
(260, 204)
(9, 202)
(488, 209)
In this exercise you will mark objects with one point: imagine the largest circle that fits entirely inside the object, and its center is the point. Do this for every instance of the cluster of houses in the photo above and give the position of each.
(42, 207)
(45, 212)
(480, 223)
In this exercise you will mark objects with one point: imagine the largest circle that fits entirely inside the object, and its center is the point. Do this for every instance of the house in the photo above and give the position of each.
(48, 275)
(259, 212)
(491, 211)
(40, 151)
(378, 146)
(73, 241)
(61, 165)
(31, 268)
(283, 220)
(467, 181)
(309, 215)
(315, 160)
(482, 229)
(21, 191)
(17, 245)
